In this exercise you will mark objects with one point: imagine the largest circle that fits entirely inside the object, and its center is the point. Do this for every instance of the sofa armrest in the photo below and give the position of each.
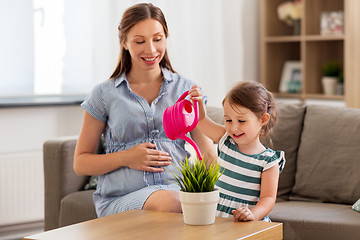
(59, 176)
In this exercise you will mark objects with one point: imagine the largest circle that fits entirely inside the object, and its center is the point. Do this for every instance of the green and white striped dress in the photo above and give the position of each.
(239, 185)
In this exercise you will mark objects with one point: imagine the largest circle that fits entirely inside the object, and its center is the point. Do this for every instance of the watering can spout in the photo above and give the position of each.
(193, 144)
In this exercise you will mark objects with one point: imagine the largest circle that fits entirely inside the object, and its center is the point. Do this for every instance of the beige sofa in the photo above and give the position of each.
(317, 188)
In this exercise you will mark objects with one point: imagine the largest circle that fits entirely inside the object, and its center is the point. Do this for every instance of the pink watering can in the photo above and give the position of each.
(180, 119)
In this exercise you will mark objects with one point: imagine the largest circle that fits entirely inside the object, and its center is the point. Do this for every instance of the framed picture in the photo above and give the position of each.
(332, 23)
(291, 77)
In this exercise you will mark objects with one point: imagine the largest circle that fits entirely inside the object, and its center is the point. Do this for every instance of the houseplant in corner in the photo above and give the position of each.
(331, 76)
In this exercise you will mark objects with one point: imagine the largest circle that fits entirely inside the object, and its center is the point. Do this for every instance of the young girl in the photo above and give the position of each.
(249, 183)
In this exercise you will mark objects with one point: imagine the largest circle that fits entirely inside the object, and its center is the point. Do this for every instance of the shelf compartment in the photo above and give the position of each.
(318, 53)
(270, 19)
(276, 55)
(313, 11)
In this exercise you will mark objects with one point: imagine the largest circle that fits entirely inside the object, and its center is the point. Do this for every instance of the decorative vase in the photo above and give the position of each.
(199, 208)
(297, 27)
(329, 85)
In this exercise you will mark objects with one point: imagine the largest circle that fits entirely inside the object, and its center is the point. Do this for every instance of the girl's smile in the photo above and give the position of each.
(237, 136)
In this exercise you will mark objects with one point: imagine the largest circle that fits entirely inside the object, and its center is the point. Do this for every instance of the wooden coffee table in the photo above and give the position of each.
(140, 224)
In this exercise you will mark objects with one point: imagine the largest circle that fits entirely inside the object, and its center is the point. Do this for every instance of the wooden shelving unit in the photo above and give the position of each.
(278, 45)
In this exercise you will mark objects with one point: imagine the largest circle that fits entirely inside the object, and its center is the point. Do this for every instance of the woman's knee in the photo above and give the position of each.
(164, 201)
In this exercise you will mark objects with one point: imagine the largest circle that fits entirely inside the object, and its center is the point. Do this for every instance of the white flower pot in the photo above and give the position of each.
(329, 85)
(199, 208)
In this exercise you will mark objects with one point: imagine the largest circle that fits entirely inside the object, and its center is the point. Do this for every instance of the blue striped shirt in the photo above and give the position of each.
(130, 120)
(239, 185)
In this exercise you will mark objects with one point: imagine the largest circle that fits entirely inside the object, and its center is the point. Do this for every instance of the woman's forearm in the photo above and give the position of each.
(98, 164)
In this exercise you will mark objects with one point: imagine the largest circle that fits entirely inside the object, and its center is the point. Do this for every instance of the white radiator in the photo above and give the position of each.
(21, 187)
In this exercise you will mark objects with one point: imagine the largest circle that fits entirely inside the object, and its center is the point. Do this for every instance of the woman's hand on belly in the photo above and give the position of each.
(145, 157)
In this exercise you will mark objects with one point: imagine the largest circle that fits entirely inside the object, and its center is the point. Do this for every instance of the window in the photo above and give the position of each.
(47, 48)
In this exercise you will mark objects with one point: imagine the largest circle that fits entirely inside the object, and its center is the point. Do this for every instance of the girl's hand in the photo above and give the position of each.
(145, 157)
(196, 95)
(243, 214)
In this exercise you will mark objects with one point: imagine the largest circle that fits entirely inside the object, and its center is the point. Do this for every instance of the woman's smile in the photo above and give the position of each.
(150, 60)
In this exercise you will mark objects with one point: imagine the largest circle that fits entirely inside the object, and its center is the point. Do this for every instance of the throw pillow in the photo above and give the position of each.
(92, 183)
(356, 206)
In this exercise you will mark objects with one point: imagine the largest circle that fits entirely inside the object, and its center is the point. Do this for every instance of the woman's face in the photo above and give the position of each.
(146, 43)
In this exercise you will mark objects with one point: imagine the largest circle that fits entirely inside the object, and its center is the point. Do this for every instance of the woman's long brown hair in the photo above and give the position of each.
(132, 16)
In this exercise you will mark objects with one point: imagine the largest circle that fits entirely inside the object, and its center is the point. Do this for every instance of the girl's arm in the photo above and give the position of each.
(205, 145)
(268, 191)
(87, 162)
(210, 128)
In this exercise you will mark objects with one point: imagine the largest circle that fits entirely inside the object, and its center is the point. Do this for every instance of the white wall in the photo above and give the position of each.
(23, 132)
(24, 129)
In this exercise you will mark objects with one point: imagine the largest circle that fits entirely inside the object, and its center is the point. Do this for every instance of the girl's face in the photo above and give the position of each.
(243, 125)
(146, 43)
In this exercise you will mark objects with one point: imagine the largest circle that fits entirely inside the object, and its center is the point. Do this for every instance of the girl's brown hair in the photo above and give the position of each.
(255, 97)
(131, 17)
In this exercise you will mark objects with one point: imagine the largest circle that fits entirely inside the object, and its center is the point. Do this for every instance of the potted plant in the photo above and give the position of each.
(198, 196)
(331, 76)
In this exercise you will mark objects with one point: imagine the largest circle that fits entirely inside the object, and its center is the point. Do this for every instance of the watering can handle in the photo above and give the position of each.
(183, 96)
(196, 108)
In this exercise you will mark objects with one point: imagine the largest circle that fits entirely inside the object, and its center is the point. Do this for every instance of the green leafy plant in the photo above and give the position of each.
(341, 78)
(332, 69)
(196, 177)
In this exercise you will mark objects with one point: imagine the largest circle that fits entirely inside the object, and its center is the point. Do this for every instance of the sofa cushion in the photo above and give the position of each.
(216, 114)
(328, 163)
(311, 220)
(286, 137)
(77, 207)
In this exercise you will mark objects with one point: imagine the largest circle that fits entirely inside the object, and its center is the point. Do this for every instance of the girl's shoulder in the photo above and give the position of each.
(225, 140)
(272, 157)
